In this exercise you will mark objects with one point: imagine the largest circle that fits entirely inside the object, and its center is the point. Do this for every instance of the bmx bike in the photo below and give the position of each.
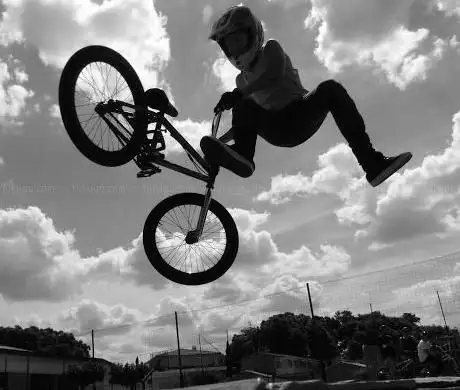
(174, 250)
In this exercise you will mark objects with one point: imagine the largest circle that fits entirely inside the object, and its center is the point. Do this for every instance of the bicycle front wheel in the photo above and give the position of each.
(95, 75)
(164, 235)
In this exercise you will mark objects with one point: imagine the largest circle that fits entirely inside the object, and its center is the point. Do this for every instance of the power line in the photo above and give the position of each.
(412, 307)
(223, 342)
(350, 277)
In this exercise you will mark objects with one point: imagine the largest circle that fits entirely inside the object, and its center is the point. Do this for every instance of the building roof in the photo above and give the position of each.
(8, 348)
(184, 352)
(280, 355)
(19, 351)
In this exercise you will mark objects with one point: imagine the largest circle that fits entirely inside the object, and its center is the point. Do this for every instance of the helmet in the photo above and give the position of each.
(235, 19)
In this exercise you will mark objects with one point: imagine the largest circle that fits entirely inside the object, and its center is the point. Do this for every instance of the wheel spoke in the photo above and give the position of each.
(97, 83)
(165, 234)
(204, 255)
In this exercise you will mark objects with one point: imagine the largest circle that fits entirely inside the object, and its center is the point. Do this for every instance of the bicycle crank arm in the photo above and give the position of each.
(148, 172)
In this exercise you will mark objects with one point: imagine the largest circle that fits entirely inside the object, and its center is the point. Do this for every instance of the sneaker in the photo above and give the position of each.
(226, 156)
(384, 167)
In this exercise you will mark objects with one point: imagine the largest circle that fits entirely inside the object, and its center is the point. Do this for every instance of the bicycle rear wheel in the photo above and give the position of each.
(167, 251)
(82, 87)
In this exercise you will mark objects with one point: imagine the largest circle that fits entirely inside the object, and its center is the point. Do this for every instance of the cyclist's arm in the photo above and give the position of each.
(276, 60)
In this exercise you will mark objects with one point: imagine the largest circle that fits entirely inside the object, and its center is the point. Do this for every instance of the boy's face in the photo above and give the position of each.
(236, 43)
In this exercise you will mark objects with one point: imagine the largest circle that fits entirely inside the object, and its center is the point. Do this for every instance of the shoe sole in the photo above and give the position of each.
(391, 169)
(225, 157)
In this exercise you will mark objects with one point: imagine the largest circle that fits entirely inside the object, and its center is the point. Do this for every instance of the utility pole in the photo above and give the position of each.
(201, 354)
(323, 367)
(311, 305)
(181, 378)
(92, 341)
(442, 310)
(228, 361)
(370, 305)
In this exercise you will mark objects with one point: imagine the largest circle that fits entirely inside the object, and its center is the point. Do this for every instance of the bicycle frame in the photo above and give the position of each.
(209, 178)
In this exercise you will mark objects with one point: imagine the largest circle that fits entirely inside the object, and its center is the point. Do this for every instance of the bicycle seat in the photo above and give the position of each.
(157, 99)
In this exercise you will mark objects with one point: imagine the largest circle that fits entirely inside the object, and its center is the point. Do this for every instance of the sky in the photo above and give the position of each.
(71, 254)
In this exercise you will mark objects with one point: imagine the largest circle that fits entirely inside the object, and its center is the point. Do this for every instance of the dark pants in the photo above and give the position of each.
(299, 120)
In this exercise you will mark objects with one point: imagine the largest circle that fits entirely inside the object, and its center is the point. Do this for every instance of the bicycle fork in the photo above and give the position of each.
(193, 236)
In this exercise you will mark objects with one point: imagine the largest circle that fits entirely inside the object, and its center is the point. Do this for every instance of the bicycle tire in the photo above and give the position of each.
(171, 273)
(67, 84)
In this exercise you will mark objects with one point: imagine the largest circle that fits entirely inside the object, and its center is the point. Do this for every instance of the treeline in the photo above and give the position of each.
(46, 341)
(325, 338)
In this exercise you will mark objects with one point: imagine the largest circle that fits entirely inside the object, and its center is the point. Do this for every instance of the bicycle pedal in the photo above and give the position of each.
(148, 172)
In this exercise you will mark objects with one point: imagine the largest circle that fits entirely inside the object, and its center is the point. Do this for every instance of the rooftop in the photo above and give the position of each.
(8, 348)
(184, 352)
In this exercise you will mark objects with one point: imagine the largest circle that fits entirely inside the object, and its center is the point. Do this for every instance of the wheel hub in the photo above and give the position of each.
(191, 237)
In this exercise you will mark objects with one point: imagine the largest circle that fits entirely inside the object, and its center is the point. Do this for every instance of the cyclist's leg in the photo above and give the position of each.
(331, 97)
(247, 117)
(308, 114)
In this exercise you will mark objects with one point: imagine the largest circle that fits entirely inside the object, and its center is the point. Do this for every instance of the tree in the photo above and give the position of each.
(87, 374)
(243, 344)
(354, 350)
(410, 319)
(285, 334)
(47, 341)
(322, 346)
(345, 332)
(129, 374)
(344, 316)
(116, 374)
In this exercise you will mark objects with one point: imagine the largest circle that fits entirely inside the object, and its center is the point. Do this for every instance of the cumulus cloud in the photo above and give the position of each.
(257, 297)
(289, 294)
(164, 312)
(191, 130)
(427, 195)
(41, 263)
(59, 28)
(338, 174)
(231, 288)
(37, 262)
(413, 203)
(33, 319)
(337, 169)
(13, 95)
(288, 4)
(106, 320)
(263, 279)
(373, 34)
(258, 251)
(54, 111)
(129, 264)
(120, 332)
(225, 73)
(207, 14)
(449, 7)
(422, 298)
(248, 220)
